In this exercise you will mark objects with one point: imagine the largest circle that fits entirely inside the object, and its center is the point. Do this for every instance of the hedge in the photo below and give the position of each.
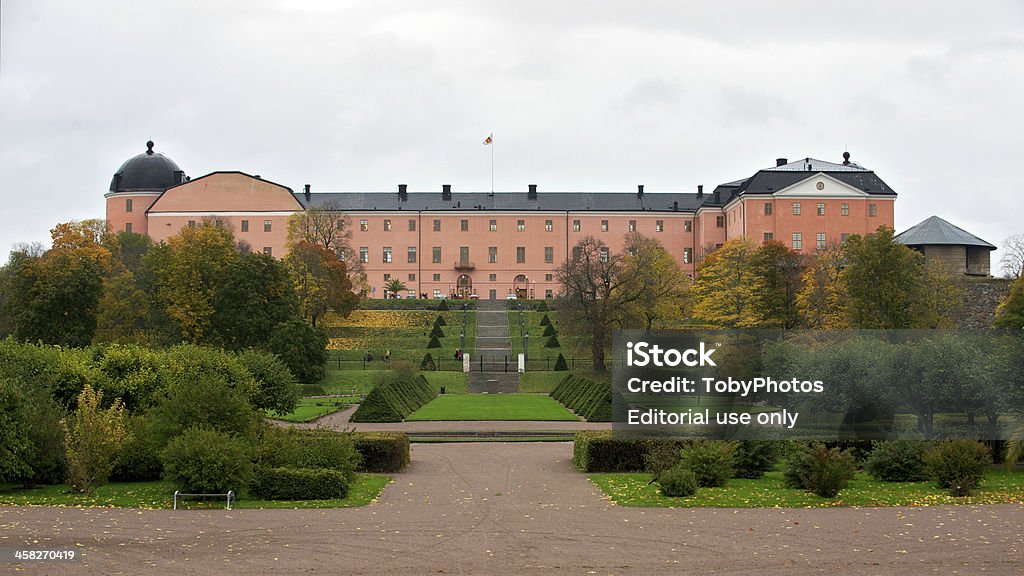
(298, 484)
(597, 451)
(382, 451)
(313, 449)
(393, 401)
(587, 398)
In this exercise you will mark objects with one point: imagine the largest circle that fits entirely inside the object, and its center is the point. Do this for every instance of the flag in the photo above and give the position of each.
(489, 139)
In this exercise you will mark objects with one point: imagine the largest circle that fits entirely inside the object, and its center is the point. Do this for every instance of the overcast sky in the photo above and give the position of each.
(580, 96)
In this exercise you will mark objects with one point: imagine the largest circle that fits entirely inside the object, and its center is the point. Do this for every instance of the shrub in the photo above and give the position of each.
(428, 362)
(662, 455)
(549, 330)
(436, 332)
(818, 469)
(597, 451)
(439, 321)
(93, 438)
(434, 343)
(443, 306)
(404, 369)
(545, 321)
(46, 458)
(552, 342)
(897, 461)
(592, 400)
(542, 306)
(298, 484)
(678, 482)
(392, 401)
(709, 460)
(275, 386)
(753, 458)
(560, 364)
(317, 448)
(302, 348)
(139, 460)
(382, 451)
(205, 461)
(15, 446)
(208, 402)
(957, 465)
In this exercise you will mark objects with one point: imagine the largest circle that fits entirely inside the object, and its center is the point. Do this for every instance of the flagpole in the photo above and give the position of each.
(492, 165)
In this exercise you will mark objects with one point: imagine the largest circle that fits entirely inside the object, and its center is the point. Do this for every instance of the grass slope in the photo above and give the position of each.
(467, 407)
(310, 409)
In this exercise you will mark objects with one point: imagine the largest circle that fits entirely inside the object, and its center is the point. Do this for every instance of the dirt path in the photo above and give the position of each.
(511, 508)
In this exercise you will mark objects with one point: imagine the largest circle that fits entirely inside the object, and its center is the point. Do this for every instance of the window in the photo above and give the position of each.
(364, 225)
(464, 225)
(493, 226)
(688, 226)
(437, 277)
(387, 254)
(769, 236)
(412, 277)
(387, 277)
(767, 208)
(245, 225)
(687, 255)
(341, 254)
(520, 225)
(548, 277)
(798, 241)
(492, 254)
(266, 225)
(844, 209)
(437, 225)
(364, 254)
(659, 225)
(128, 227)
(268, 250)
(412, 225)
(548, 295)
(411, 259)
(577, 253)
(548, 226)
(493, 277)
(128, 205)
(603, 254)
(437, 294)
(604, 225)
(796, 208)
(520, 254)
(549, 254)
(821, 208)
(719, 221)
(632, 225)
(387, 225)
(219, 223)
(575, 225)
(464, 255)
(844, 236)
(191, 223)
(435, 254)
(872, 210)
(821, 240)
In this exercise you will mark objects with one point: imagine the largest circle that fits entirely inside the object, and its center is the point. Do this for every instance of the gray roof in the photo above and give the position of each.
(509, 201)
(813, 164)
(935, 230)
(147, 171)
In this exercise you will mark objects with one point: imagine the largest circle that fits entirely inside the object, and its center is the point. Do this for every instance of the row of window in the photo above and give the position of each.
(844, 209)
(798, 239)
(549, 225)
(490, 277)
(267, 225)
(492, 254)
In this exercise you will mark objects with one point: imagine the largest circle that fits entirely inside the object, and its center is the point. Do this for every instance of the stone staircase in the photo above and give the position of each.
(493, 352)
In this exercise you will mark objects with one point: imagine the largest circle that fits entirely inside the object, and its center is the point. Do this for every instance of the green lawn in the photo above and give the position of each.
(453, 382)
(348, 381)
(543, 382)
(999, 486)
(310, 409)
(160, 495)
(492, 407)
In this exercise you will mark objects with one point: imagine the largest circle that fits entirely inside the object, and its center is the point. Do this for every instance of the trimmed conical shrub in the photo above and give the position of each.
(551, 343)
(428, 362)
(560, 364)
(542, 306)
(434, 342)
(436, 332)
(549, 330)
(545, 321)
(443, 306)
(440, 321)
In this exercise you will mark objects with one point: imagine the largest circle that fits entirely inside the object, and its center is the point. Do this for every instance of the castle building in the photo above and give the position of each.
(954, 249)
(497, 244)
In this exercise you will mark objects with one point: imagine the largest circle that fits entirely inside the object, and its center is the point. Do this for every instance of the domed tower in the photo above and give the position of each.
(135, 186)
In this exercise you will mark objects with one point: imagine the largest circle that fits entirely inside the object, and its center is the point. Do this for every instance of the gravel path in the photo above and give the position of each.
(340, 421)
(510, 508)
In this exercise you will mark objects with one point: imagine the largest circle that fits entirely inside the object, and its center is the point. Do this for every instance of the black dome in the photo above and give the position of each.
(147, 171)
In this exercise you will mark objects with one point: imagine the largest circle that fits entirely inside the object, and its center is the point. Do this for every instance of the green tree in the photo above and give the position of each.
(93, 438)
(321, 281)
(1010, 313)
(253, 294)
(821, 300)
(302, 348)
(729, 289)
(781, 270)
(657, 279)
(15, 446)
(395, 287)
(276, 387)
(122, 312)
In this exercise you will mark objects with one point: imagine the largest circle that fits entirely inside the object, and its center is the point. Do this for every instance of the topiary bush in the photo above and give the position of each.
(678, 482)
(428, 362)
(434, 343)
(382, 451)
(661, 456)
(549, 330)
(958, 465)
(897, 461)
(205, 461)
(752, 458)
(597, 451)
(542, 306)
(818, 469)
(552, 342)
(709, 460)
(298, 484)
(436, 332)
(443, 306)
(317, 448)
(545, 321)
(439, 321)
(560, 364)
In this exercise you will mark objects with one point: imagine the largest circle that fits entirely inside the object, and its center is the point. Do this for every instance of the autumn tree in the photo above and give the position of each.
(326, 225)
(1013, 256)
(122, 312)
(1010, 313)
(654, 275)
(321, 281)
(781, 269)
(729, 288)
(93, 437)
(821, 301)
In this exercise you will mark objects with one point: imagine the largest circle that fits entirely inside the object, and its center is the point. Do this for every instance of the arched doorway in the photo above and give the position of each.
(464, 286)
(520, 285)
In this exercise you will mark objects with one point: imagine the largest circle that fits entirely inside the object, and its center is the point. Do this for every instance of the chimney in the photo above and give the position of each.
(446, 192)
(675, 205)
(700, 190)
(531, 193)
(403, 192)
(639, 190)
(718, 196)
(306, 192)
(781, 162)
(257, 176)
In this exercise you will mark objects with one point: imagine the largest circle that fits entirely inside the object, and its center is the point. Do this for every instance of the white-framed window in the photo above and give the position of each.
(796, 208)
(364, 225)
(387, 254)
(268, 250)
(576, 226)
(245, 225)
(687, 255)
(492, 254)
(437, 294)
(767, 208)
(387, 225)
(549, 225)
(520, 254)
(364, 254)
(267, 224)
(798, 241)
(769, 236)
(549, 254)
(844, 209)
(603, 255)
(520, 225)
(632, 225)
(659, 225)
(872, 210)
(688, 226)
(412, 225)
(821, 208)
(437, 225)
(604, 225)
(493, 226)
(435, 254)
(411, 258)
(820, 238)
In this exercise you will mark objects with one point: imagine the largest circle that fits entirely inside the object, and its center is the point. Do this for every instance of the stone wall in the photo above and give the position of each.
(981, 297)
